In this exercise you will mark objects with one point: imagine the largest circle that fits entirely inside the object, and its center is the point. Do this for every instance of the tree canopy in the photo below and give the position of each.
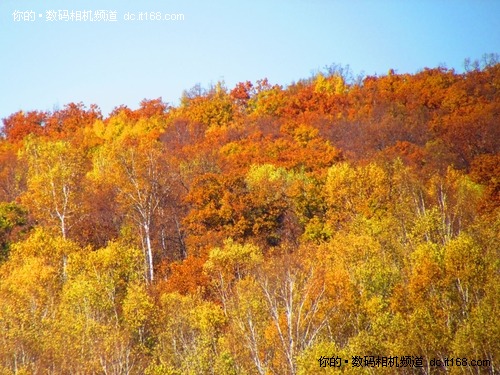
(256, 229)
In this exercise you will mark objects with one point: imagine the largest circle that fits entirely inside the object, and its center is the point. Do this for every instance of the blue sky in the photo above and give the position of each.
(47, 64)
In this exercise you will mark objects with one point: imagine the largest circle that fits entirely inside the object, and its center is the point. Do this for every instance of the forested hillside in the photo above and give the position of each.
(256, 229)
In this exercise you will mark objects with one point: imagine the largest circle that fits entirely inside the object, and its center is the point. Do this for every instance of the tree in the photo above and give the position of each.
(13, 219)
(188, 340)
(55, 174)
(31, 283)
(20, 124)
(282, 307)
(68, 123)
(95, 330)
(134, 167)
(12, 173)
(355, 191)
(215, 109)
(230, 264)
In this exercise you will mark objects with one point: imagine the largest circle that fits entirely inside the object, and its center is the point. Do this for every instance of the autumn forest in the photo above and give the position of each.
(254, 229)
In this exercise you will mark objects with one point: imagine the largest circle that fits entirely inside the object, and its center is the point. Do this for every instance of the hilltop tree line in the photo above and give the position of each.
(254, 229)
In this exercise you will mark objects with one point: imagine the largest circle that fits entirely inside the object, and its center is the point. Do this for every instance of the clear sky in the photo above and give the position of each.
(46, 64)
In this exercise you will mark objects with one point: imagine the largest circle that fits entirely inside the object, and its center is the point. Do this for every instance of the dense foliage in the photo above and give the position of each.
(253, 230)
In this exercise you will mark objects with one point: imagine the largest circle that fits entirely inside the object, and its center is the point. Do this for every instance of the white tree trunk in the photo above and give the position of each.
(149, 253)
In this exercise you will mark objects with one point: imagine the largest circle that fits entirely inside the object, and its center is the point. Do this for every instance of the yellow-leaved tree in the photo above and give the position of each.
(135, 168)
(55, 173)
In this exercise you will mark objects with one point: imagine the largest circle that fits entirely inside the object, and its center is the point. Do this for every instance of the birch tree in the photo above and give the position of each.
(55, 171)
(135, 169)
